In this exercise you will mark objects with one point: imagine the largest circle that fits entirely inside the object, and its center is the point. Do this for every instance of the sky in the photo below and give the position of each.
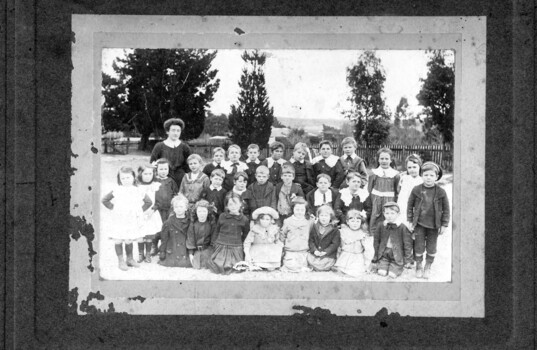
(311, 84)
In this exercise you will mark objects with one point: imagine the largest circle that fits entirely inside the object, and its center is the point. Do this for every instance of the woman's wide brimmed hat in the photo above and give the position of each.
(265, 210)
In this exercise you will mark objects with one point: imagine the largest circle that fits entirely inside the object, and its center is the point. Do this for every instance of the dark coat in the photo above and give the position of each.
(176, 156)
(267, 200)
(295, 189)
(329, 242)
(173, 247)
(440, 202)
(304, 175)
(401, 242)
(310, 198)
(336, 173)
(231, 230)
(252, 167)
(165, 193)
(341, 208)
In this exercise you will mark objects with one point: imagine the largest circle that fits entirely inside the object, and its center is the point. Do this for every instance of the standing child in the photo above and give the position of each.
(128, 203)
(428, 215)
(152, 222)
(233, 166)
(328, 164)
(303, 168)
(408, 180)
(324, 194)
(216, 194)
(252, 162)
(173, 149)
(274, 162)
(392, 243)
(231, 230)
(286, 191)
(195, 181)
(351, 162)
(262, 247)
(219, 156)
(324, 240)
(351, 261)
(383, 185)
(199, 234)
(262, 192)
(294, 235)
(163, 197)
(173, 252)
(352, 197)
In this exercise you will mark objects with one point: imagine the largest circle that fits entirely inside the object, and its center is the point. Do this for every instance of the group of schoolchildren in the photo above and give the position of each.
(293, 215)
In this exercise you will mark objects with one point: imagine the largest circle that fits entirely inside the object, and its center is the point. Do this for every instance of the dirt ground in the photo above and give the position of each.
(107, 260)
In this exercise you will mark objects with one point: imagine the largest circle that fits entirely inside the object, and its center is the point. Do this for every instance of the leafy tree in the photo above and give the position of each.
(437, 95)
(216, 125)
(297, 135)
(277, 123)
(366, 80)
(162, 84)
(114, 112)
(251, 119)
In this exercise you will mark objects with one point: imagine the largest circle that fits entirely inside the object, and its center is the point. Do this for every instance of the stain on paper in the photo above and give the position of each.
(80, 227)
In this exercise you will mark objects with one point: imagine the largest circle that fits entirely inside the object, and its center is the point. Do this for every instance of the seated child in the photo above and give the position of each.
(324, 240)
(252, 162)
(392, 243)
(195, 181)
(324, 194)
(428, 216)
(274, 162)
(163, 197)
(262, 193)
(233, 166)
(230, 233)
(303, 168)
(328, 164)
(219, 156)
(351, 261)
(239, 189)
(262, 247)
(173, 252)
(199, 234)
(352, 197)
(151, 222)
(294, 235)
(286, 191)
(216, 194)
(351, 162)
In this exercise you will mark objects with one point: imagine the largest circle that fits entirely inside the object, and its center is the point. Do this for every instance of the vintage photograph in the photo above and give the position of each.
(253, 165)
(277, 165)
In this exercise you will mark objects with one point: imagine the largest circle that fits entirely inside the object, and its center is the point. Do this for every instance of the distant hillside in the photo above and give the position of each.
(311, 125)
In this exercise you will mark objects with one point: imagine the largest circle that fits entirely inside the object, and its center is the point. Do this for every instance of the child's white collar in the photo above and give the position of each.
(353, 156)
(396, 223)
(257, 161)
(228, 166)
(318, 197)
(271, 161)
(330, 161)
(390, 172)
(212, 188)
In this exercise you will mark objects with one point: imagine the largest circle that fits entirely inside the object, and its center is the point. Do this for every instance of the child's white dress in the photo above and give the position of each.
(152, 224)
(351, 261)
(407, 183)
(126, 216)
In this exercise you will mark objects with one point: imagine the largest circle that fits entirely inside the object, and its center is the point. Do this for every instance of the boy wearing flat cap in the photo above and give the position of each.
(428, 216)
(392, 243)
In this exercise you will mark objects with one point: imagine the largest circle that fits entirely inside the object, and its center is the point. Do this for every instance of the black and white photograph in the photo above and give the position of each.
(316, 144)
(244, 165)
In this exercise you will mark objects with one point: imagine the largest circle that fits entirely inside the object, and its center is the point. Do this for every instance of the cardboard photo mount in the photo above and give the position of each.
(464, 296)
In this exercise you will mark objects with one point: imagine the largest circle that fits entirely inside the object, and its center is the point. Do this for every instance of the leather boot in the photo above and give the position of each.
(419, 269)
(427, 270)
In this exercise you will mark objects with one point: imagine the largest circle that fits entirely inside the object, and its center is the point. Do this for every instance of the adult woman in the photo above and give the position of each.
(175, 151)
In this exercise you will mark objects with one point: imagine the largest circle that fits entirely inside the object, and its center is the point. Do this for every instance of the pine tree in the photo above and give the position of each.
(251, 119)
(366, 80)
